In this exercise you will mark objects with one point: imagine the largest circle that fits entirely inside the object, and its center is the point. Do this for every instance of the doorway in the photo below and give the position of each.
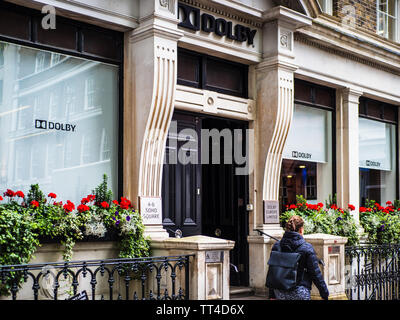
(207, 197)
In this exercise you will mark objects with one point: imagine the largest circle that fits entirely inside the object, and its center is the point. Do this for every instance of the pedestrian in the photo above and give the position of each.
(308, 271)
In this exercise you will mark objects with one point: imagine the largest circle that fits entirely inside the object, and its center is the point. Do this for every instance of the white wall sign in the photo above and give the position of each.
(271, 211)
(151, 210)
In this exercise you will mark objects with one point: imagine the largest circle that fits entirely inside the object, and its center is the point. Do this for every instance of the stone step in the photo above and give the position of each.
(240, 291)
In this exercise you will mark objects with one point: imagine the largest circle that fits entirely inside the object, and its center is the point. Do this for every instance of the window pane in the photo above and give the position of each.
(224, 76)
(53, 131)
(377, 145)
(309, 135)
(307, 164)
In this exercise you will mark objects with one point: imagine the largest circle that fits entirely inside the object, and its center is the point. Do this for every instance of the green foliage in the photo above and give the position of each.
(381, 224)
(330, 220)
(102, 193)
(35, 194)
(331, 200)
(23, 225)
(18, 241)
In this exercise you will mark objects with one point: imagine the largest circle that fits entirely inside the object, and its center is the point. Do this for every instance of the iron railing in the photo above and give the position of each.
(153, 278)
(373, 272)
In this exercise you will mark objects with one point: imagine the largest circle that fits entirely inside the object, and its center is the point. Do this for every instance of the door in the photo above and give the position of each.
(181, 201)
(207, 199)
(224, 202)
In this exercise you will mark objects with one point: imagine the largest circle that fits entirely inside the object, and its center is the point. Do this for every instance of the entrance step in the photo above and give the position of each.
(244, 293)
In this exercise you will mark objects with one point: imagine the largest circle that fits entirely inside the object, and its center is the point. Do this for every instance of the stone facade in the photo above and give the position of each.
(356, 13)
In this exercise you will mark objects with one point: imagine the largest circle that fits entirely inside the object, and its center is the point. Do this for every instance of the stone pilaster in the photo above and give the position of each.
(275, 104)
(150, 82)
(347, 159)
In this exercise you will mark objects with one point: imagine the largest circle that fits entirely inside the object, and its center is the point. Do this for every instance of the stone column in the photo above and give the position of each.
(275, 102)
(330, 249)
(347, 158)
(209, 267)
(150, 73)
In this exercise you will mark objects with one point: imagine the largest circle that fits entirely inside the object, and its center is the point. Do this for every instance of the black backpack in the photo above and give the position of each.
(282, 270)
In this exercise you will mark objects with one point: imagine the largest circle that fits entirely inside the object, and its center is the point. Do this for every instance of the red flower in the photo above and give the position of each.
(52, 195)
(377, 204)
(363, 209)
(389, 203)
(84, 200)
(115, 202)
(20, 194)
(91, 197)
(69, 206)
(320, 204)
(1, 198)
(105, 205)
(35, 204)
(58, 203)
(341, 210)
(125, 203)
(334, 207)
(351, 207)
(292, 206)
(9, 193)
(83, 208)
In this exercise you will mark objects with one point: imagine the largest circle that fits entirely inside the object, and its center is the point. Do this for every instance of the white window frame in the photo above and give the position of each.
(40, 61)
(396, 17)
(53, 105)
(55, 58)
(90, 93)
(326, 6)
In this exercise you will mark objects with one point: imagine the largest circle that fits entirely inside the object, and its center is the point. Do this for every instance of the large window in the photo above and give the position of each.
(388, 19)
(377, 152)
(307, 165)
(59, 127)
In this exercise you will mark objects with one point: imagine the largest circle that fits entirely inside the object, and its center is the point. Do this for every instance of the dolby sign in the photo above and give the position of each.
(50, 125)
(190, 18)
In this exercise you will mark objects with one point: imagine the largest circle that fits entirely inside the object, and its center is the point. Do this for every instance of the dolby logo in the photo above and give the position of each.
(49, 125)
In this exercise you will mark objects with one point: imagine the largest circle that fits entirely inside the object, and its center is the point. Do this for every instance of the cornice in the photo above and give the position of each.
(350, 46)
(85, 12)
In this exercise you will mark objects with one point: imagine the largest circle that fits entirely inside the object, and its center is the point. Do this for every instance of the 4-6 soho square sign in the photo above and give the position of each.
(50, 125)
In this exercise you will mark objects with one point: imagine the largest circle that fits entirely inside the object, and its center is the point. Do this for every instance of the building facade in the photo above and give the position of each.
(219, 112)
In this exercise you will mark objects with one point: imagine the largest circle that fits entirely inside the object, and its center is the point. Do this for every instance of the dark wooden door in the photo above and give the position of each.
(182, 181)
(208, 199)
(225, 195)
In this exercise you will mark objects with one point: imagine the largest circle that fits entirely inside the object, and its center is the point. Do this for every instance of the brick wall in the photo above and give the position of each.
(360, 13)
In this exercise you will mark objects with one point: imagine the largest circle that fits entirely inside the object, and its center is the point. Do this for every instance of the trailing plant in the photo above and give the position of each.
(18, 241)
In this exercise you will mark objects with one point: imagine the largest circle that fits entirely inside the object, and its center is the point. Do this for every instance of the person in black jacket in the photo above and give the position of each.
(308, 270)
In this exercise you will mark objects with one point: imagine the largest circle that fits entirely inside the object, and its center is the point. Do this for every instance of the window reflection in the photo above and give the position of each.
(58, 122)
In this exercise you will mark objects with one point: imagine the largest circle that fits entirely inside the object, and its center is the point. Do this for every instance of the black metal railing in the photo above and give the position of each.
(373, 272)
(153, 278)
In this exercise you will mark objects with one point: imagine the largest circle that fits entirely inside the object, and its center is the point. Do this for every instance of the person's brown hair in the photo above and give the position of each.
(295, 223)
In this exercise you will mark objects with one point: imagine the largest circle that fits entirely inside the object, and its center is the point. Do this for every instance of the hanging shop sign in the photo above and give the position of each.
(191, 18)
(151, 210)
